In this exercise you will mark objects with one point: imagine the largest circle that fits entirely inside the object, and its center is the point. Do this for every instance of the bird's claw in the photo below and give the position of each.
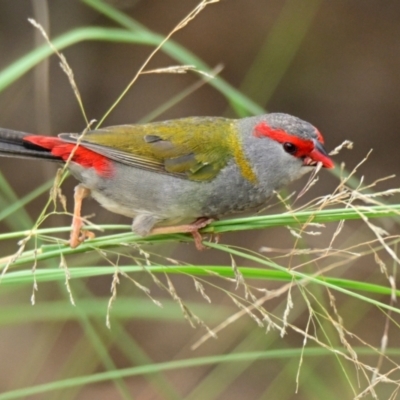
(76, 239)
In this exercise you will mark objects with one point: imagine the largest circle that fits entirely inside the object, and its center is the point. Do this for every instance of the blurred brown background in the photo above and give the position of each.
(344, 78)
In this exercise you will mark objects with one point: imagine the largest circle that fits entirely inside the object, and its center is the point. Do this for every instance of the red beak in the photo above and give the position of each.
(319, 154)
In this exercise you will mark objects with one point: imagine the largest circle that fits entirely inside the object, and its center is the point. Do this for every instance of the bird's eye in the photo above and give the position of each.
(289, 148)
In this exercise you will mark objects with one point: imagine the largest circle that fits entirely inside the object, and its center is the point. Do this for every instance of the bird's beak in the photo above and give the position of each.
(318, 154)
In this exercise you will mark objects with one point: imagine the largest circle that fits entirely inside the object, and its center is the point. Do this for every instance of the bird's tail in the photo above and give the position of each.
(12, 144)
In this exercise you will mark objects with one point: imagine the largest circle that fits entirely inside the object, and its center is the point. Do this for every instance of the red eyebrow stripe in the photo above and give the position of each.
(304, 146)
(319, 136)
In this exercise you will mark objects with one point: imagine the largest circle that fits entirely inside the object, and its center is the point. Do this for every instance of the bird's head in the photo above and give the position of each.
(298, 138)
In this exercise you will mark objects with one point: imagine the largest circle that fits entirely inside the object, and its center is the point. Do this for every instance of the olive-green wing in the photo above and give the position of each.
(194, 148)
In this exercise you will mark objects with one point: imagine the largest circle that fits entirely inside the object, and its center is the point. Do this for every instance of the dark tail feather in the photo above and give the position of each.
(12, 144)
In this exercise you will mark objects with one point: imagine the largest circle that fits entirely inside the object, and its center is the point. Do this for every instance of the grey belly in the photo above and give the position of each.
(133, 192)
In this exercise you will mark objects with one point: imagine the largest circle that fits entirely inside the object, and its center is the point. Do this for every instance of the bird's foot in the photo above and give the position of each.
(192, 228)
(77, 234)
(195, 227)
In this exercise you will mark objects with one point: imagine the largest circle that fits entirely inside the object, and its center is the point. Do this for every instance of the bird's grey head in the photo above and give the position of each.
(281, 147)
(293, 125)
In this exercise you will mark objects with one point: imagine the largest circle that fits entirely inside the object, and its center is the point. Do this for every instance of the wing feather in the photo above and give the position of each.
(191, 148)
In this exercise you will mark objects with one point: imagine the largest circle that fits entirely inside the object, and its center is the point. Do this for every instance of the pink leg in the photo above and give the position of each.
(77, 235)
(192, 228)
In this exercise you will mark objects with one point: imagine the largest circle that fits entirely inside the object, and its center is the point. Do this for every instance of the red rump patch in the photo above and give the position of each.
(81, 155)
(304, 146)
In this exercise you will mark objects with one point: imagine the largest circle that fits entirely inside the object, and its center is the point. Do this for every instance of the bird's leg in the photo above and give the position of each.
(77, 235)
(192, 228)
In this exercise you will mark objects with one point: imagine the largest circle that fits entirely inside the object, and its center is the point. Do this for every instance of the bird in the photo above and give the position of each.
(179, 175)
